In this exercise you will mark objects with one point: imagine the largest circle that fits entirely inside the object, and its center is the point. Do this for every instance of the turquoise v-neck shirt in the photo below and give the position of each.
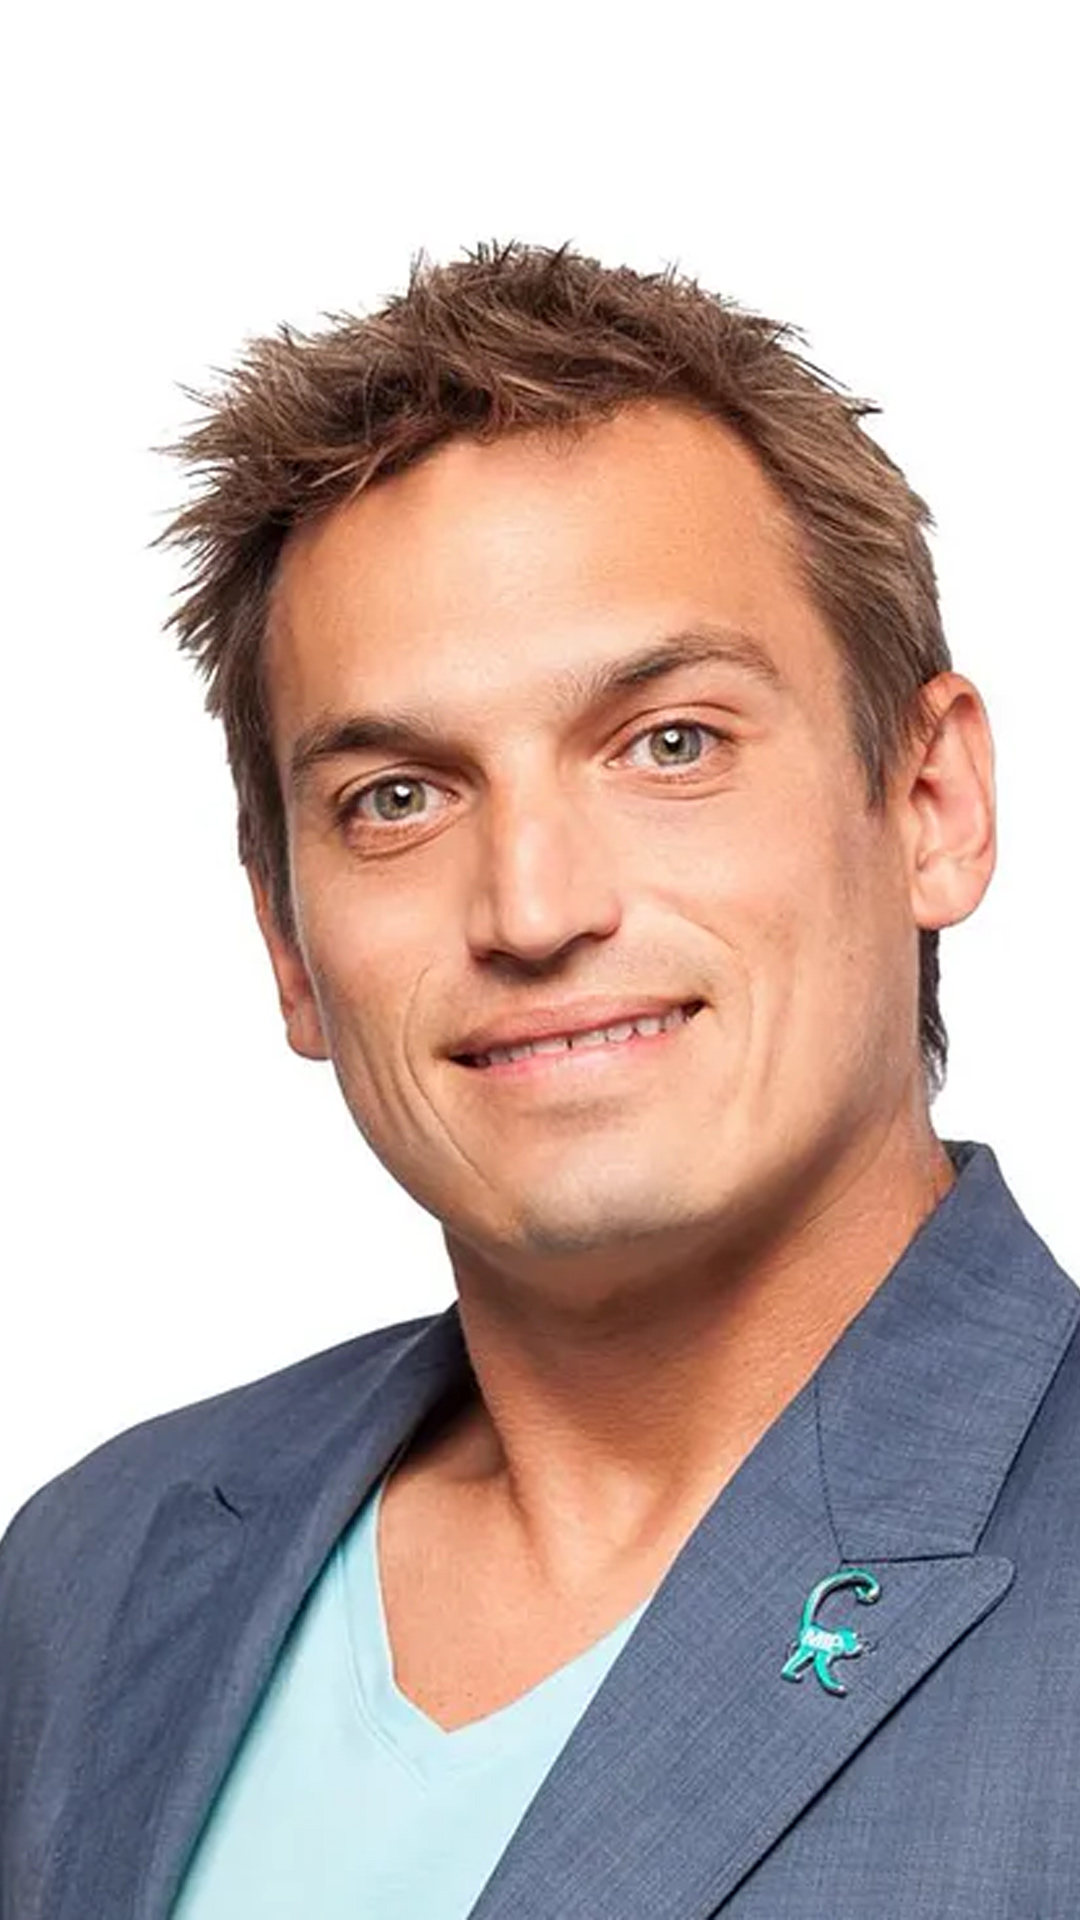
(345, 1801)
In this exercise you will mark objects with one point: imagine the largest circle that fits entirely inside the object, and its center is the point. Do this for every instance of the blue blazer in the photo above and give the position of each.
(145, 1595)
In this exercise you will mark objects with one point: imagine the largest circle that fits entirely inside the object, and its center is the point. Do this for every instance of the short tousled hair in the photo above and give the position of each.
(513, 337)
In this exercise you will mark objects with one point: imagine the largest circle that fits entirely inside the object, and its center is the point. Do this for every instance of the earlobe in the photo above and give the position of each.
(950, 806)
(303, 1026)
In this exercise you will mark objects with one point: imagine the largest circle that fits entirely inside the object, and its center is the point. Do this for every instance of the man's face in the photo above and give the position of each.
(564, 746)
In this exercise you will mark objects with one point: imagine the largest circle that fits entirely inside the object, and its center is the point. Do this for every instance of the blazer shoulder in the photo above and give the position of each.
(120, 1482)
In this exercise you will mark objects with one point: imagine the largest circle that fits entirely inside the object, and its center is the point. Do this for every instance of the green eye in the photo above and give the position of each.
(396, 799)
(677, 745)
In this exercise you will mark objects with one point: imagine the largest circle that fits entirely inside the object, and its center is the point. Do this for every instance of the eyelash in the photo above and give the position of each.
(348, 811)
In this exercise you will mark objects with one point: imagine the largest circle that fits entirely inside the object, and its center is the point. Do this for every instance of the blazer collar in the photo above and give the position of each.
(925, 1400)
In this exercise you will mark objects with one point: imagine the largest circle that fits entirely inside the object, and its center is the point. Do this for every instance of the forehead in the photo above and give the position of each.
(487, 568)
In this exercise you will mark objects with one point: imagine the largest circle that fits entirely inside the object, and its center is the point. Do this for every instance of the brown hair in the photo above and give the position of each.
(516, 337)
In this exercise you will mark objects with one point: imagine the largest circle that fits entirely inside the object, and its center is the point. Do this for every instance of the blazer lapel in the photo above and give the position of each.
(696, 1753)
(223, 1572)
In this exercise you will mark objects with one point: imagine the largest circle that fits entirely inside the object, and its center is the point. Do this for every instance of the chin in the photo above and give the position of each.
(583, 1223)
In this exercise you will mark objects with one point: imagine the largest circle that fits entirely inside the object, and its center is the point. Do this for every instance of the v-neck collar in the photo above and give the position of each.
(418, 1741)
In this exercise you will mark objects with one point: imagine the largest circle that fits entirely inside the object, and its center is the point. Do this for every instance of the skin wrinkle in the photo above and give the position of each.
(474, 1166)
(453, 1146)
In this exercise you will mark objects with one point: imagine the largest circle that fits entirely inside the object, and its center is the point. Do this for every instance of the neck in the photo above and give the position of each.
(605, 1410)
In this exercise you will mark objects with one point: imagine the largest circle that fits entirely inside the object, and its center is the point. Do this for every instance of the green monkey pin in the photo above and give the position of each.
(819, 1646)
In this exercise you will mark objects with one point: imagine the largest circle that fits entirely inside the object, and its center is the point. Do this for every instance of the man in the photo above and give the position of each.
(604, 785)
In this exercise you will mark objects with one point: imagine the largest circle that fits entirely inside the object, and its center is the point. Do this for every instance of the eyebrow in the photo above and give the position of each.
(414, 730)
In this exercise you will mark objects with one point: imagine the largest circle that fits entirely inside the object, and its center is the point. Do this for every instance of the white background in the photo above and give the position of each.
(186, 1205)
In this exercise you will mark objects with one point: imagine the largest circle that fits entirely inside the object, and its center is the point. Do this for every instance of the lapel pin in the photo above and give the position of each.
(818, 1646)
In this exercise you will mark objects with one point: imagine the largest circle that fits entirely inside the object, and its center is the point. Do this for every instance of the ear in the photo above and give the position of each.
(303, 1026)
(948, 805)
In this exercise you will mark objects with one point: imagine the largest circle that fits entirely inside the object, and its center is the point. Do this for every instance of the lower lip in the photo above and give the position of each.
(583, 1059)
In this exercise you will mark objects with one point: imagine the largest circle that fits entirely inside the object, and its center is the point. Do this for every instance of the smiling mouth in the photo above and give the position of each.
(619, 1033)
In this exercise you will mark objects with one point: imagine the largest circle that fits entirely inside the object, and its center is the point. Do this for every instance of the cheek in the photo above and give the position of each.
(770, 875)
(800, 890)
(839, 975)
(371, 953)
(357, 957)
(364, 934)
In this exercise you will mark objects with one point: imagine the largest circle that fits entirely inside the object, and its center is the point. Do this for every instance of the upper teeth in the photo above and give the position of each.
(595, 1037)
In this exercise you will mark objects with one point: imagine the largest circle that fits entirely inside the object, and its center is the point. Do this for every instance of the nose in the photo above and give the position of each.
(542, 881)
